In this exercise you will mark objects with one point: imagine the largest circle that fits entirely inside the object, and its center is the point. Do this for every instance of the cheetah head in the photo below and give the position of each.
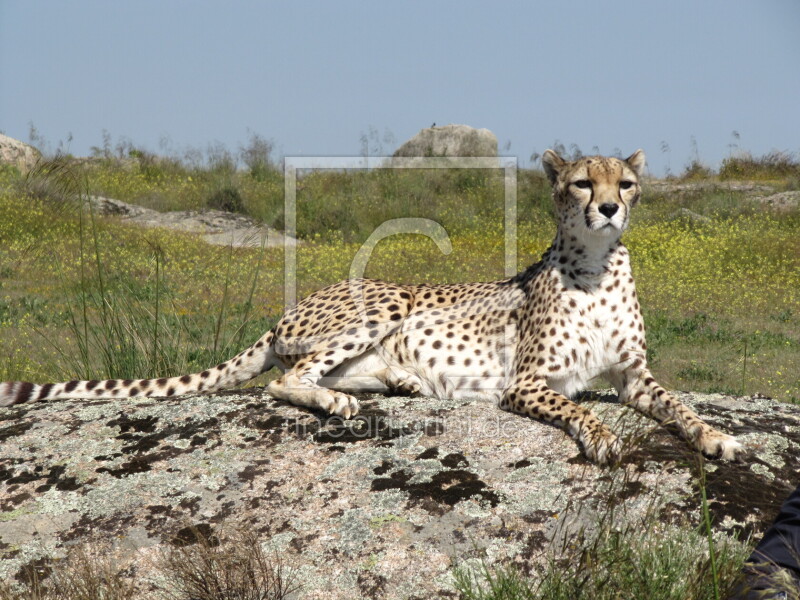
(594, 194)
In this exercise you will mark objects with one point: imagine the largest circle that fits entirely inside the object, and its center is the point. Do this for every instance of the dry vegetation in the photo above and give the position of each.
(196, 566)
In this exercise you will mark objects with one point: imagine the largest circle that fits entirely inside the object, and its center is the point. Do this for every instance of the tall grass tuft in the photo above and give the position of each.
(706, 516)
(122, 325)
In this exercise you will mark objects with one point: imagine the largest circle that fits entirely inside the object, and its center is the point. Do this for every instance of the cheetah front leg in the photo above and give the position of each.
(637, 388)
(535, 399)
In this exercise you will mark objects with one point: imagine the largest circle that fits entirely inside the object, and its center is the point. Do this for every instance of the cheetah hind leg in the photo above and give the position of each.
(302, 391)
(306, 383)
(400, 382)
(390, 381)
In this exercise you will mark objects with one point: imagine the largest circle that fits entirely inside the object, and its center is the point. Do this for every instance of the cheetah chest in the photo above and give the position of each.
(594, 335)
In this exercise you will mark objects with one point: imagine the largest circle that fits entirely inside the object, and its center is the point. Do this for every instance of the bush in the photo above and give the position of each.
(696, 170)
(84, 574)
(257, 157)
(773, 165)
(226, 198)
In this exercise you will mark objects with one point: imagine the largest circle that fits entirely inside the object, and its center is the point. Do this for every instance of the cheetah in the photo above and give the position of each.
(528, 342)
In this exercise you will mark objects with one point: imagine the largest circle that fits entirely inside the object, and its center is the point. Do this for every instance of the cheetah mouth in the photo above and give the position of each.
(603, 227)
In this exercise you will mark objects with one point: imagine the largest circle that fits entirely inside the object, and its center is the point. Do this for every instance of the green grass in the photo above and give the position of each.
(659, 564)
(81, 296)
(620, 559)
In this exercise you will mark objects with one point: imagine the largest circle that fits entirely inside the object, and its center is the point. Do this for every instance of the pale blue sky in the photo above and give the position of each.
(315, 76)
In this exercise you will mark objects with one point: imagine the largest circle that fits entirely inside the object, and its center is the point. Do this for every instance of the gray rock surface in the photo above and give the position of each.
(450, 140)
(690, 187)
(382, 506)
(217, 227)
(18, 154)
(689, 215)
(781, 201)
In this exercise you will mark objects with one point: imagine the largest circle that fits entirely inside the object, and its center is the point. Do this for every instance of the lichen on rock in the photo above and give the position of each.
(383, 505)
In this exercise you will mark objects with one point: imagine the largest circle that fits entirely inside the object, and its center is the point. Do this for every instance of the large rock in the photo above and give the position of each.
(220, 228)
(450, 140)
(19, 154)
(379, 507)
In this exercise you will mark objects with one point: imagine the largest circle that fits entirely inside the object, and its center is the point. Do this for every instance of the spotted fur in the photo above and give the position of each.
(528, 342)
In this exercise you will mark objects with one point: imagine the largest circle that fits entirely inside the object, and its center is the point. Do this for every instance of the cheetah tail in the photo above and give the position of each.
(249, 363)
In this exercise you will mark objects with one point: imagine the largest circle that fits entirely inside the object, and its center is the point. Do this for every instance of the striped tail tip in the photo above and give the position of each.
(17, 392)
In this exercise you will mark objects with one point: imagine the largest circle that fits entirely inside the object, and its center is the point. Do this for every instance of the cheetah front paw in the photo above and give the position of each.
(339, 404)
(603, 448)
(716, 444)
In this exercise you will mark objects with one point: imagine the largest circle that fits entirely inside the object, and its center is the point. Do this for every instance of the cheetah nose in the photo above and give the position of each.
(608, 209)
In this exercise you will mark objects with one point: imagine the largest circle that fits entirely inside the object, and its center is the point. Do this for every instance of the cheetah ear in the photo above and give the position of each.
(552, 164)
(637, 161)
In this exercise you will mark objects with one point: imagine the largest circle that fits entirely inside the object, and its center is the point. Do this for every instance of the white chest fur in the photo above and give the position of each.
(593, 338)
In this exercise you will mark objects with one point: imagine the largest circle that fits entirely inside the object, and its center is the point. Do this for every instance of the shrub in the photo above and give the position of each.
(773, 165)
(226, 198)
(257, 157)
(696, 170)
(84, 574)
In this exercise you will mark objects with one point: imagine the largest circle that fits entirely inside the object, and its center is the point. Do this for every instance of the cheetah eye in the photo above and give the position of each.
(624, 185)
(583, 184)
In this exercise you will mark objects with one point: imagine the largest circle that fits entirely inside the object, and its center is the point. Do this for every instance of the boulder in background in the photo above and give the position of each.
(450, 140)
(19, 154)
